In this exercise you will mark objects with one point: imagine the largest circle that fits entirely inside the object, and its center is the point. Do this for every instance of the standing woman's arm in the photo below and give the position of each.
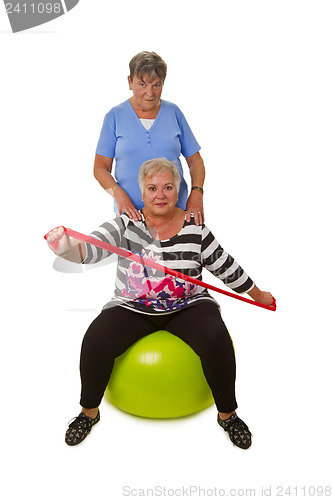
(102, 172)
(195, 200)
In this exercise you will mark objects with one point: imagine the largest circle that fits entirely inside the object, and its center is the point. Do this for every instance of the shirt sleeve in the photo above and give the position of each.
(106, 145)
(189, 144)
(109, 232)
(222, 265)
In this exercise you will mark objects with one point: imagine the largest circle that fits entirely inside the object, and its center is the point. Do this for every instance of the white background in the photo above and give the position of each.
(254, 79)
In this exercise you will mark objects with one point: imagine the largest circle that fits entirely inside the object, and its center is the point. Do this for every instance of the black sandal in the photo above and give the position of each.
(79, 428)
(238, 431)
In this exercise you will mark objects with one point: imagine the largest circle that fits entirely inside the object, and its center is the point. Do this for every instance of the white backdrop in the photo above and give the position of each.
(254, 79)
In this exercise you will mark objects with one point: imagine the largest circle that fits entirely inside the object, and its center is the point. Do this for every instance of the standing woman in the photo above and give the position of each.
(145, 127)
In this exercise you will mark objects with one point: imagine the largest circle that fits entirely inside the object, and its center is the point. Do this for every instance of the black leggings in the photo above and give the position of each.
(117, 328)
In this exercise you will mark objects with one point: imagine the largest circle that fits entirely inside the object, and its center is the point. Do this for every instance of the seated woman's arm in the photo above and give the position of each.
(220, 263)
(83, 252)
(64, 246)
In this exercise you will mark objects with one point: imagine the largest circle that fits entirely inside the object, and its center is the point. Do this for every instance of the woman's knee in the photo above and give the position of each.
(103, 334)
(215, 340)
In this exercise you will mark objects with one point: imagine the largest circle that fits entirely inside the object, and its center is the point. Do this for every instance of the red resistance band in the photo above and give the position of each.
(159, 267)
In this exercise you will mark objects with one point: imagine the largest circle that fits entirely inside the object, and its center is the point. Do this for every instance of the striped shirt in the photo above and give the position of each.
(143, 289)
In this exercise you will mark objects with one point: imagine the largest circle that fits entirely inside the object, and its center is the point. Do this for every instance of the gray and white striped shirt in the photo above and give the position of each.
(151, 291)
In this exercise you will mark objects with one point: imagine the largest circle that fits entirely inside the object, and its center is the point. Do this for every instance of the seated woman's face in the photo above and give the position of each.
(160, 194)
(146, 91)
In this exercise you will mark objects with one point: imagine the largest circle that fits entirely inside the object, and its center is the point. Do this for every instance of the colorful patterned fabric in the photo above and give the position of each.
(151, 291)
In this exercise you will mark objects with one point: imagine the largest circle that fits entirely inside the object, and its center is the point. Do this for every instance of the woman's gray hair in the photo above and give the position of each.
(148, 63)
(158, 166)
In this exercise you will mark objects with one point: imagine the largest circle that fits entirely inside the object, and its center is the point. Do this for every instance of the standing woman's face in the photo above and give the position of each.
(146, 92)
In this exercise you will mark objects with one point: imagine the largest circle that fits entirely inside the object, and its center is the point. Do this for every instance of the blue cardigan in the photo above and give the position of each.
(124, 138)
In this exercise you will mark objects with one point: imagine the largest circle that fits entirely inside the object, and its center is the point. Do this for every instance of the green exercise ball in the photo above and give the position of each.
(159, 377)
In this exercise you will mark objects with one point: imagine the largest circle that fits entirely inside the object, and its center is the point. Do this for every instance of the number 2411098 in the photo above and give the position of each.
(33, 8)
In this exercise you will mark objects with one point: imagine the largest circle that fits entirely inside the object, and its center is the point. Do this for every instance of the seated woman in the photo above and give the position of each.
(147, 300)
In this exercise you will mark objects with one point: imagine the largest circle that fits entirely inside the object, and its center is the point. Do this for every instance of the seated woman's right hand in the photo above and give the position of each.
(58, 241)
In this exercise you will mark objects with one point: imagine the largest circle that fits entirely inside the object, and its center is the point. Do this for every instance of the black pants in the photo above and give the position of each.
(117, 328)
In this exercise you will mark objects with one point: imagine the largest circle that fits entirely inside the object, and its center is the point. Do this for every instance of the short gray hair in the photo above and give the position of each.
(148, 63)
(158, 166)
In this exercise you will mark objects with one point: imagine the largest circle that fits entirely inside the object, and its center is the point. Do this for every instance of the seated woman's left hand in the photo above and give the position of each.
(195, 206)
(265, 298)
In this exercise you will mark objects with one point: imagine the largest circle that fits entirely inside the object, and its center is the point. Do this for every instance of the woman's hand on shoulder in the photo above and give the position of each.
(125, 204)
(194, 206)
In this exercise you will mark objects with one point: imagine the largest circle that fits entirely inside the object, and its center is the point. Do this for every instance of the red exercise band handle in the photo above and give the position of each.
(159, 267)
